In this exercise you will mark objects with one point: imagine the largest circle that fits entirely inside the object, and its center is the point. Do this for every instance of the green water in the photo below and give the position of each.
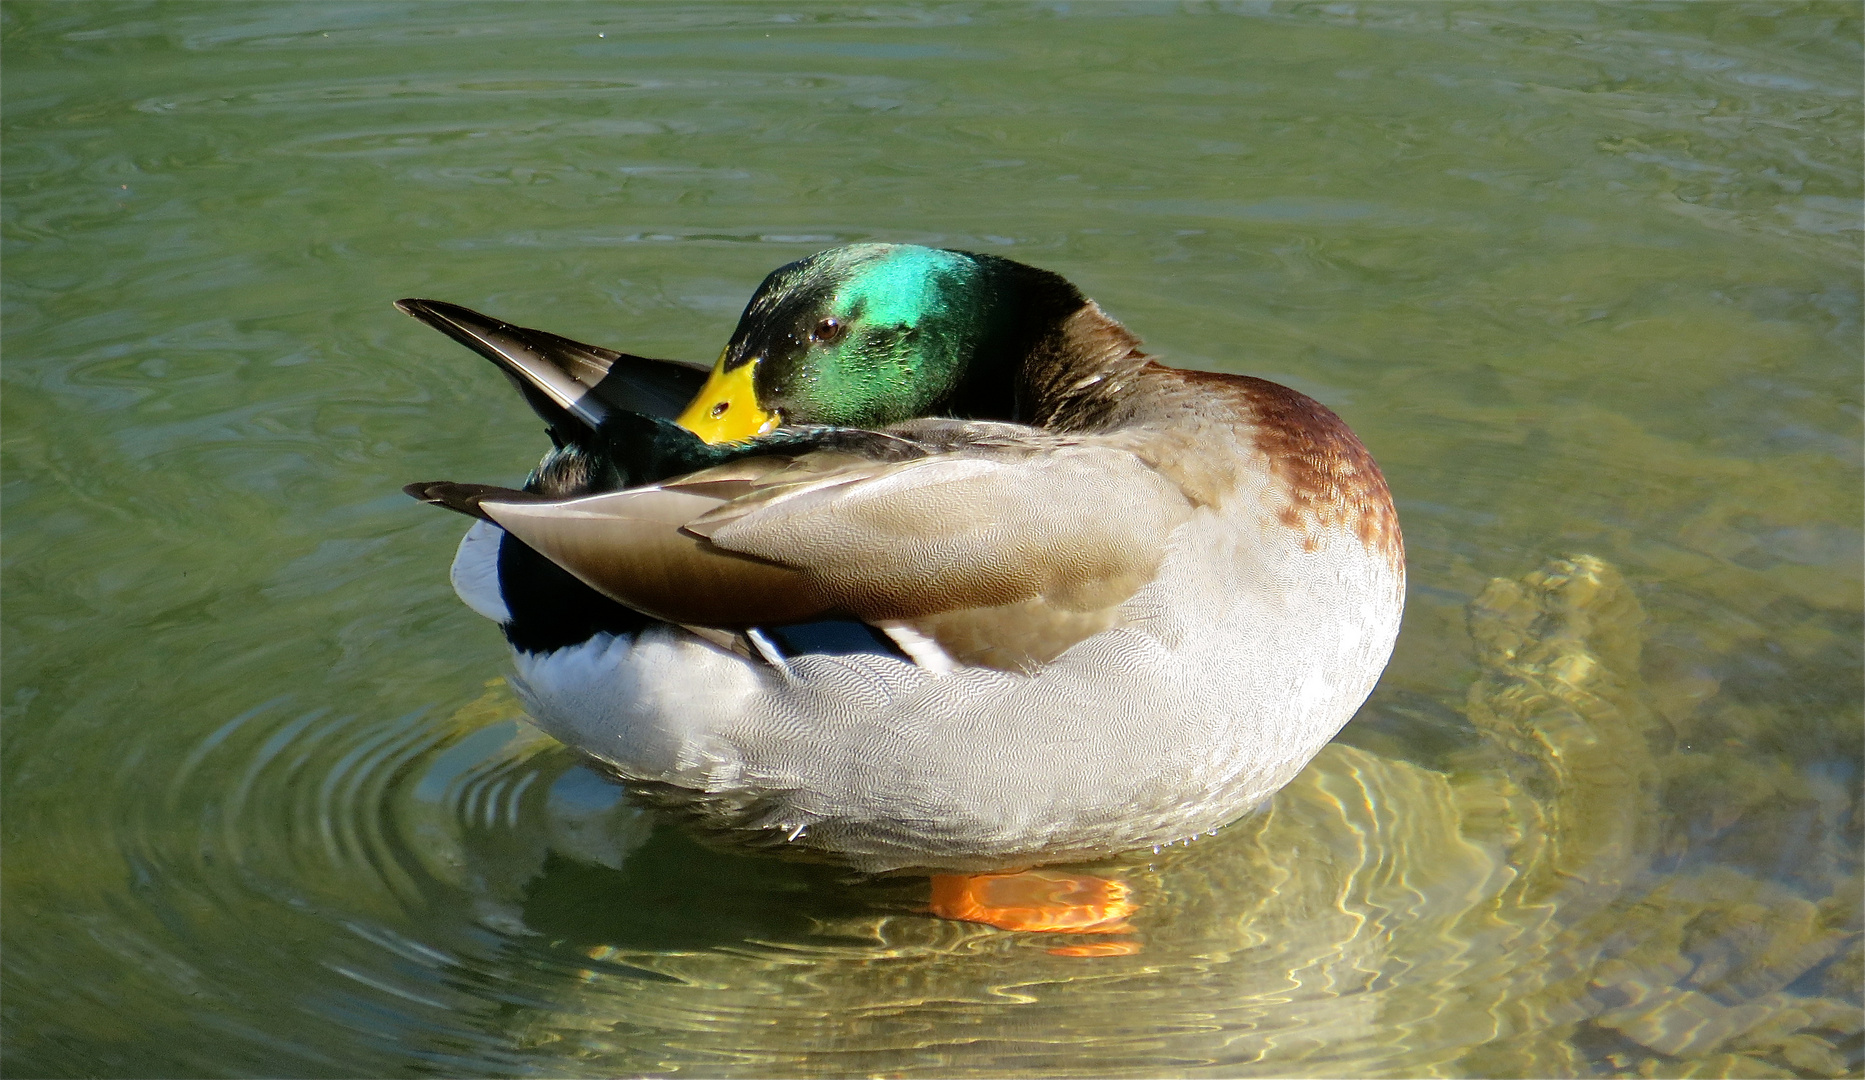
(1586, 279)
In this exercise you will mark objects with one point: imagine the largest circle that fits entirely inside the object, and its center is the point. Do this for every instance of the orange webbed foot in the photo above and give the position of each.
(1041, 900)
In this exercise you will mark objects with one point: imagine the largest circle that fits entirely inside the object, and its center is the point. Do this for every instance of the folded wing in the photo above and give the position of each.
(1003, 558)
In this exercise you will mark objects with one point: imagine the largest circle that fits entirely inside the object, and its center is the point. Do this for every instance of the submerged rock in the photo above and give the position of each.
(1679, 974)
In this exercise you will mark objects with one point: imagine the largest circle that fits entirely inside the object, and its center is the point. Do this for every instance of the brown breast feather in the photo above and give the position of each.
(1325, 475)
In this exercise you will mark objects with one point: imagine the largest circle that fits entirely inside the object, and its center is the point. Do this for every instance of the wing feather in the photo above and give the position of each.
(1003, 556)
(1080, 527)
(628, 545)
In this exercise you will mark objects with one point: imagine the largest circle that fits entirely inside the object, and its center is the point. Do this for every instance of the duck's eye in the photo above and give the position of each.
(828, 332)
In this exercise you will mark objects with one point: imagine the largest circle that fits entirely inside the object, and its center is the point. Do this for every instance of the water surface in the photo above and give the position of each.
(1586, 280)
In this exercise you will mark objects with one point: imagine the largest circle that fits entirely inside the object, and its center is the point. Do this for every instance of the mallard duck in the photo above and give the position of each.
(932, 570)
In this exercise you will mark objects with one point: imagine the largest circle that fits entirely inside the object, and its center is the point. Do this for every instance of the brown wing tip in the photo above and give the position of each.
(462, 498)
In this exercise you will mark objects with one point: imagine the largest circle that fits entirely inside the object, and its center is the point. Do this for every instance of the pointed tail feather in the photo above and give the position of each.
(562, 378)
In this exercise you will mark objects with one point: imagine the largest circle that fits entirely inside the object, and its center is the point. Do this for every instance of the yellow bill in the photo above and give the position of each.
(726, 408)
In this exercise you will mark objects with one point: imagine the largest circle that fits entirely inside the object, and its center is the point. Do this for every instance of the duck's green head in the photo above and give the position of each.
(873, 334)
